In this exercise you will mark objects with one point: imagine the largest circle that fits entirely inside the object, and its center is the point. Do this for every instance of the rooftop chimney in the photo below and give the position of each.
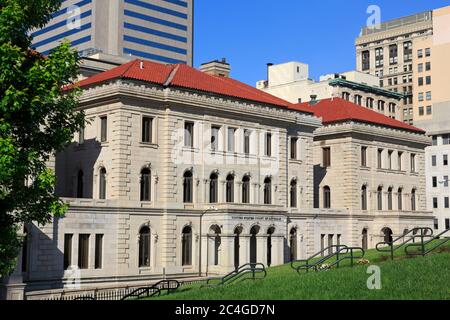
(217, 68)
(313, 99)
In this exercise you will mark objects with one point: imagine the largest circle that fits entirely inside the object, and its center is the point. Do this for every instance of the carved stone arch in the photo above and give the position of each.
(190, 169)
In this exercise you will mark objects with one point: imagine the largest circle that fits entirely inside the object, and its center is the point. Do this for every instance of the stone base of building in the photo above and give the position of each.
(189, 245)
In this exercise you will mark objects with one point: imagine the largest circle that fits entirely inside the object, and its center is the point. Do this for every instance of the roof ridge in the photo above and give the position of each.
(172, 75)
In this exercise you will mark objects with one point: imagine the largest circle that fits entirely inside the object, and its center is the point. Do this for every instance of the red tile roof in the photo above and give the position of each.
(339, 110)
(183, 76)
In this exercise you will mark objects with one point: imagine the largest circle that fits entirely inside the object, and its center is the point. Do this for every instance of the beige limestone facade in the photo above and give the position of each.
(193, 163)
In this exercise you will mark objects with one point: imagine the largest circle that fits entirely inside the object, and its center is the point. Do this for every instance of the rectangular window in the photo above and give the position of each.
(399, 161)
(413, 162)
(104, 129)
(445, 139)
(420, 67)
(446, 181)
(420, 81)
(393, 53)
(428, 95)
(268, 145)
(294, 148)
(446, 203)
(98, 251)
(434, 182)
(231, 134)
(215, 138)
(67, 250)
(380, 158)
(83, 251)
(147, 129)
(365, 57)
(247, 141)
(433, 161)
(421, 111)
(407, 51)
(427, 52)
(435, 203)
(420, 96)
(436, 223)
(428, 80)
(189, 134)
(420, 53)
(428, 66)
(434, 140)
(364, 156)
(447, 224)
(445, 160)
(326, 152)
(379, 57)
(429, 110)
(390, 159)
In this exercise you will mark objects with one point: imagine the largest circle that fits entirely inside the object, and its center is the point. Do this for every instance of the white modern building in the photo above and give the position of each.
(290, 81)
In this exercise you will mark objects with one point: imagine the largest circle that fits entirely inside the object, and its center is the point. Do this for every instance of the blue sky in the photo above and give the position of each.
(251, 33)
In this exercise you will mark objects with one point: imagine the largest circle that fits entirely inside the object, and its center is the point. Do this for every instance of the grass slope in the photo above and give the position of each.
(404, 278)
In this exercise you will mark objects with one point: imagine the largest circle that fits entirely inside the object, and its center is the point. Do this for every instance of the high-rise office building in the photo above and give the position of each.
(410, 55)
(158, 30)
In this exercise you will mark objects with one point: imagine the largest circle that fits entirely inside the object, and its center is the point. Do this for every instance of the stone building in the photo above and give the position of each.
(182, 174)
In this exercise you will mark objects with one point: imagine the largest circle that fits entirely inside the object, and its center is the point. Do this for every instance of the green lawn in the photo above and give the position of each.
(404, 278)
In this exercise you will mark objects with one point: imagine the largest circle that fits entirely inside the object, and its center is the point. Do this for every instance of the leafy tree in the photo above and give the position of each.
(37, 119)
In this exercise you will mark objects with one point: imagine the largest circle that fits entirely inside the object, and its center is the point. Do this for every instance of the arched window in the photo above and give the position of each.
(267, 191)
(293, 243)
(390, 198)
(246, 189)
(413, 200)
(253, 243)
(270, 232)
(187, 187)
(237, 234)
(80, 184)
(230, 188)
(326, 197)
(215, 230)
(387, 235)
(364, 198)
(145, 184)
(400, 199)
(102, 184)
(186, 246)
(144, 247)
(213, 188)
(380, 198)
(364, 239)
(293, 194)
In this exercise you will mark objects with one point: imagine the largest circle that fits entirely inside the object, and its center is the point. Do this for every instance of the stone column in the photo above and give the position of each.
(277, 250)
(227, 253)
(244, 250)
(261, 249)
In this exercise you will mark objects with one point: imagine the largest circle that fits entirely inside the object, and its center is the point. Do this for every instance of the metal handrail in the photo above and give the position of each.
(338, 254)
(143, 291)
(237, 273)
(168, 284)
(422, 245)
(337, 246)
(391, 246)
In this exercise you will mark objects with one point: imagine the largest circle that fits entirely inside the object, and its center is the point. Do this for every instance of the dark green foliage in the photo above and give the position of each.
(37, 119)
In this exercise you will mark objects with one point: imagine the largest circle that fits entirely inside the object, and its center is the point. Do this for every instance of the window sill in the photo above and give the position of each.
(149, 145)
(297, 161)
(190, 149)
